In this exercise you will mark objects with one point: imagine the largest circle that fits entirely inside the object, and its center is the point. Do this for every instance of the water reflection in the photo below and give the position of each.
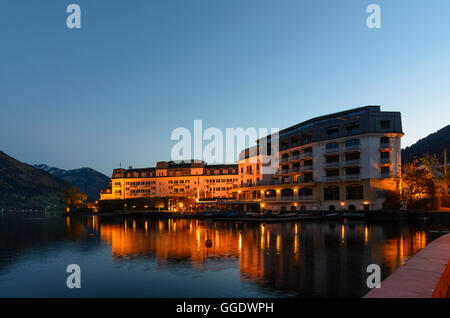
(302, 259)
(189, 258)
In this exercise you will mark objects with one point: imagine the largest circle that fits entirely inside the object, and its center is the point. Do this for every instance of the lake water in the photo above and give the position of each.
(139, 257)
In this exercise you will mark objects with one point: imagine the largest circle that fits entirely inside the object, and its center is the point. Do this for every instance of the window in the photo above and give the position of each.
(354, 192)
(308, 177)
(352, 142)
(331, 193)
(332, 132)
(385, 124)
(330, 159)
(332, 172)
(385, 170)
(352, 128)
(384, 140)
(352, 171)
(352, 156)
(384, 155)
(307, 138)
(332, 146)
(305, 192)
(308, 150)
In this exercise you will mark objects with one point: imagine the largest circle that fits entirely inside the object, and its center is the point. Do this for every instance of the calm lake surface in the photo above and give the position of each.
(139, 257)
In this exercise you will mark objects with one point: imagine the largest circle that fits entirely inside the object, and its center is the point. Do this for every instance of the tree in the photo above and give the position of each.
(74, 198)
(420, 183)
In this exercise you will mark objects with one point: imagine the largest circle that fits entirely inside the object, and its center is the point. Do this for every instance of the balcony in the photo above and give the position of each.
(306, 168)
(305, 180)
(352, 176)
(354, 162)
(352, 148)
(385, 146)
(333, 164)
(306, 198)
(332, 178)
(306, 155)
(332, 150)
(385, 160)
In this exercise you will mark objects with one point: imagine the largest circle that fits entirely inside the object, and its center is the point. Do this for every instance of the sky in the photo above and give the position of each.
(113, 91)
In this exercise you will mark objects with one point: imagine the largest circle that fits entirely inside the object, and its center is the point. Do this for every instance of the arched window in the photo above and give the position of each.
(303, 208)
(287, 193)
(331, 193)
(331, 208)
(293, 208)
(305, 193)
(351, 207)
(354, 192)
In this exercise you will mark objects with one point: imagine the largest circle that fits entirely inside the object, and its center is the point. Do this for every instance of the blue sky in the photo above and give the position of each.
(114, 91)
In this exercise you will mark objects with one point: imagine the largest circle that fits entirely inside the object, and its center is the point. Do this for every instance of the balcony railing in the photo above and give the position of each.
(352, 176)
(306, 198)
(385, 145)
(304, 155)
(351, 147)
(352, 162)
(332, 150)
(306, 168)
(332, 178)
(385, 160)
(334, 164)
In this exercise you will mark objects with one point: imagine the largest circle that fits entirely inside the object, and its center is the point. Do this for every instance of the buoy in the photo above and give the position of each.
(208, 243)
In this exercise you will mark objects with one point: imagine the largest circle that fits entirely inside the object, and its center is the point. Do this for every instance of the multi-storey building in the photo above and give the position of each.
(345, 160)
(189, 179)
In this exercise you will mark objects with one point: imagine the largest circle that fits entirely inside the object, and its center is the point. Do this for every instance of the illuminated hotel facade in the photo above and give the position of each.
(194, 179)
(343, 161)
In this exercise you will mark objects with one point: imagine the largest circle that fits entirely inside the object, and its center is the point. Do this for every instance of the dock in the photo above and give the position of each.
(426, 275)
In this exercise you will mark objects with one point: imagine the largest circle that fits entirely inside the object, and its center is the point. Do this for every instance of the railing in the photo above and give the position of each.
(352, 176)
(332, 150)
(332, 178)
(306, 168)
(352, 162)
(334, 164)
(306, 198)
(351, 147)
(306, 155)
(385, 160)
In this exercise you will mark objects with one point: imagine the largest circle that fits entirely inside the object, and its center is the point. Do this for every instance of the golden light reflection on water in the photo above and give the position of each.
(284, 254)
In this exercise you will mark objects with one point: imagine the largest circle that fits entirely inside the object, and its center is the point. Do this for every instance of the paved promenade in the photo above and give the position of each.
(425, 275)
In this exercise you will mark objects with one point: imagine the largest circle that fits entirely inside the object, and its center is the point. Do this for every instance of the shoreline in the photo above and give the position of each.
(409, 216)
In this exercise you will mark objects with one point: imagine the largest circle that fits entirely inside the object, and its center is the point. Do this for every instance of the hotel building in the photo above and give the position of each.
(193, 179)
(345, 160)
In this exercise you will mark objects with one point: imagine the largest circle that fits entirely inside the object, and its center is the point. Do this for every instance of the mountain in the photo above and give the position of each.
(432, 144)
(25, 187)
(88, 180)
